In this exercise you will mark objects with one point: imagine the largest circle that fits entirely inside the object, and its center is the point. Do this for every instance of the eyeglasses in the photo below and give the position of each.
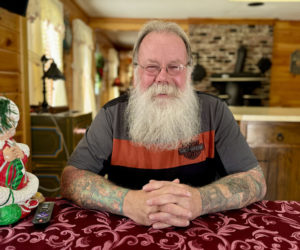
(154, 70)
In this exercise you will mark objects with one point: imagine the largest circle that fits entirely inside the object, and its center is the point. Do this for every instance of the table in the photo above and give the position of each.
(274, 114)
(262, 225)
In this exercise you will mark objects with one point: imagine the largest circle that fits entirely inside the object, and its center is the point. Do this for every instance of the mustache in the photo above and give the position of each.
(163, 89)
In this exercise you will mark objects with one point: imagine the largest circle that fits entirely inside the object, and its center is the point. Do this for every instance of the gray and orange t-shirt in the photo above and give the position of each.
(218, 150)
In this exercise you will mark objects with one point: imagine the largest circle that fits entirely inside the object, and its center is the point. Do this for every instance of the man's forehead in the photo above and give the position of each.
(162, 37)
(167, 43)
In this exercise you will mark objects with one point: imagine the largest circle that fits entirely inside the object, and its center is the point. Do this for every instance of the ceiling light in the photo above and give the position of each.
(254, 4)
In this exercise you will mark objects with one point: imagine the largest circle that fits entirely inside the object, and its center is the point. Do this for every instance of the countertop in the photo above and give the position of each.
(283, 114)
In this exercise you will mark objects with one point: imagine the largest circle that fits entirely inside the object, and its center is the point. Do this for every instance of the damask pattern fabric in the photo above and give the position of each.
(262, 225)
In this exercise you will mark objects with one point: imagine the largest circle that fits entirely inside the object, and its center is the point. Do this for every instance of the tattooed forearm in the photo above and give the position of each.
(92, 191)
(233, 191)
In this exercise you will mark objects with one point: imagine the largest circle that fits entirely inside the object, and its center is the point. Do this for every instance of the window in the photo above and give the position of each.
(45, 36)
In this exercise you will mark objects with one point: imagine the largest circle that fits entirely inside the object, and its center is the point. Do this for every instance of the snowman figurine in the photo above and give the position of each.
(17, 186)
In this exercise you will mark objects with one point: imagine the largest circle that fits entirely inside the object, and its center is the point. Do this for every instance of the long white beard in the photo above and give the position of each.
(163, 123)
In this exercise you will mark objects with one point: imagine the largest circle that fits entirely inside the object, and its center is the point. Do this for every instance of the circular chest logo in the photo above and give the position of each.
(191, 151)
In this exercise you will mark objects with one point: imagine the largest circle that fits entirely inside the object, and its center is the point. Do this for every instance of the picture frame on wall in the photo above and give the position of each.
(295, 62)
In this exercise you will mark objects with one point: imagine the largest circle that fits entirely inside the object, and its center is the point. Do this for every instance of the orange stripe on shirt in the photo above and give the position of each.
(126, 154)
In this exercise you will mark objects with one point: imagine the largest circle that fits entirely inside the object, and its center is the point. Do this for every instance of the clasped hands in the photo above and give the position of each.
(163, 204)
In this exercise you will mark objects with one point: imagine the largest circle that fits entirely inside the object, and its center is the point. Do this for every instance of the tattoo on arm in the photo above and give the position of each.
(233, 191)
(92, 191)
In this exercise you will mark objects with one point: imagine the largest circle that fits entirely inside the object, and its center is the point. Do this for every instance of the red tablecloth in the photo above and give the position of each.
(263, 225)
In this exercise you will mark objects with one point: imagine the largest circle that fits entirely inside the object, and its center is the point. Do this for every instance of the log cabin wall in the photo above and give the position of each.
(14, 69)
(285, 86)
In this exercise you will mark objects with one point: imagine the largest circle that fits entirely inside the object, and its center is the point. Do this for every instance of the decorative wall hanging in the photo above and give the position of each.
(295, 62)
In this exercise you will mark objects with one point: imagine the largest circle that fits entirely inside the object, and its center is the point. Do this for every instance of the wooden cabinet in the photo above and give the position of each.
(54, 137)
(13, 69)
(277, 148)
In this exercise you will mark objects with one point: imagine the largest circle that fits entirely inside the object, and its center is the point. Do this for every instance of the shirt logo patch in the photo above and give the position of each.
(192, 151)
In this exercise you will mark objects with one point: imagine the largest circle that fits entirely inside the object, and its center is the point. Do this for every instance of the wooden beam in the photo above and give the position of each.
(231, 21)
(135, 24)
(127, 24)
(72, 10)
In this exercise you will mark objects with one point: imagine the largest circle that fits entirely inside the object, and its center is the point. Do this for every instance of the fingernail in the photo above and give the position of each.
(155, 226)
(149, 202)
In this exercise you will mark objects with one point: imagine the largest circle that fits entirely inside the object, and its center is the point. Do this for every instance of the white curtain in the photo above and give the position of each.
(45, 36)
(83, 90)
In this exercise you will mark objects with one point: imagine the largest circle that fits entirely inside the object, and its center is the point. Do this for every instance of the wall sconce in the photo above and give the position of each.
(51, 73)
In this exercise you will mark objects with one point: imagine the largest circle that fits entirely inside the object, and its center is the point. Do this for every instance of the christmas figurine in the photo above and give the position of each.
(17, 187)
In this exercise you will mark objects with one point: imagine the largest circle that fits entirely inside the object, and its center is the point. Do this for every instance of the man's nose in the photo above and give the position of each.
(162, 75)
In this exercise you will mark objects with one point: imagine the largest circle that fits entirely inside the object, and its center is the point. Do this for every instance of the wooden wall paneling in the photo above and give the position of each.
(9, 20)
(14, 70)
(285, 87)
(24, 86)
(10, 82)
(9, 39)
(128, 24)
(9, 61)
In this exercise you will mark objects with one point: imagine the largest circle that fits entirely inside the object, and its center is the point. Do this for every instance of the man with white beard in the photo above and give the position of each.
(161, 123)
(170, 154)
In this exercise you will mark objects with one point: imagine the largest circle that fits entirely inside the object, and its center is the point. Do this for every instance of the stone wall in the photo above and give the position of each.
(217, 46)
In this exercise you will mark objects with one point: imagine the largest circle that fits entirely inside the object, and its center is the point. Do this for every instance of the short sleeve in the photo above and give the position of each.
(231, 145)
(96, 145)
